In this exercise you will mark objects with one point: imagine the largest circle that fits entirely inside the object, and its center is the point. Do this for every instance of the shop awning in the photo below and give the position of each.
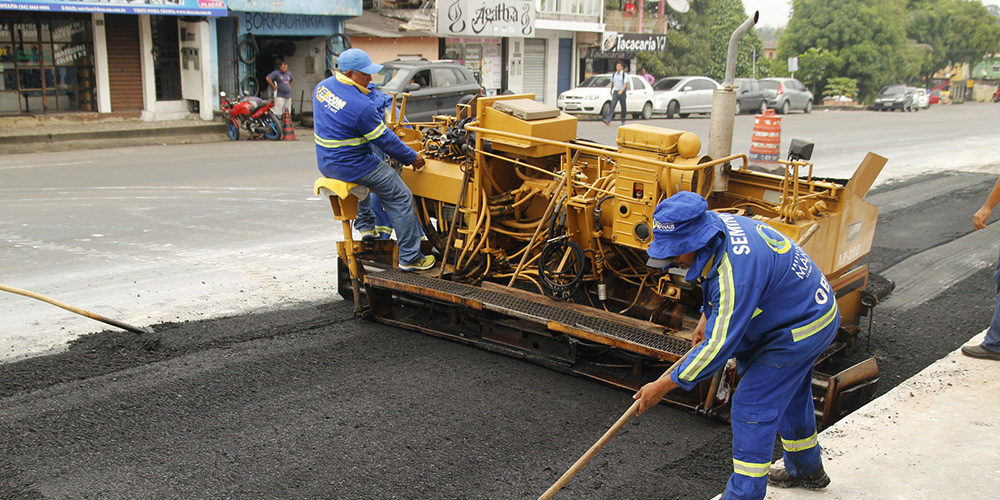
(167, 8)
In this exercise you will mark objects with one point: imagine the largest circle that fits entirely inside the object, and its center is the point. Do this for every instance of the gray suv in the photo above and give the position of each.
(435, 87)
(787, 94)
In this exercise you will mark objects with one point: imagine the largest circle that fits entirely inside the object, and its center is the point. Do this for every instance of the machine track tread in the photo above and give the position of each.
(570, 321)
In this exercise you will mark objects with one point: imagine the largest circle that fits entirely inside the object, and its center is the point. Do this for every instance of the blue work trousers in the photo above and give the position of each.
(992, 340)
(397, 201)
(771, 400)
(617, 99)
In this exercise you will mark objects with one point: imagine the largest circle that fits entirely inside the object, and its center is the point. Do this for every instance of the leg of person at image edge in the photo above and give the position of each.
(990, 348)
(397, 201)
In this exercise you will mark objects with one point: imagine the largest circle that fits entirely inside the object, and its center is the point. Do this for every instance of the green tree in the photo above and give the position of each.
(698, 40)
(951, 31)
(841, 86)
(727, 15)
(868, 37)
(815, 66)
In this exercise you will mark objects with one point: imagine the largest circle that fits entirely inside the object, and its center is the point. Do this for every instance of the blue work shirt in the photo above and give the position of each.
(765, 302)
(346, 126)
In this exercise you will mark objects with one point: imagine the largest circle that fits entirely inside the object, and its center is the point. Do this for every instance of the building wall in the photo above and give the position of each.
(387, 49)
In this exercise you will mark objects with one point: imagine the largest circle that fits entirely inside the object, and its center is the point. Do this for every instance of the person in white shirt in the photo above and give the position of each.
(619, 89)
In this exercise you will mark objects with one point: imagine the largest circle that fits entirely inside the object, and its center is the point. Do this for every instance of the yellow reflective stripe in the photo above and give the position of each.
(799, 444)
(727, 303)
(354, 141)
(804, 332)
(750, 469)
(379, 130)
(339, 143)
(758, 311)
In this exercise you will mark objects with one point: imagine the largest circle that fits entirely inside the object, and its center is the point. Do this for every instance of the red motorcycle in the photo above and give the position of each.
(252, 114)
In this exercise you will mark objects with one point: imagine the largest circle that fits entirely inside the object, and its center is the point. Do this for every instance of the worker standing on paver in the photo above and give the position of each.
(345, 123)
(766, 304)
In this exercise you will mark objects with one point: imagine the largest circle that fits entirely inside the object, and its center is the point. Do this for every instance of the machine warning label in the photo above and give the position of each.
(853, 231)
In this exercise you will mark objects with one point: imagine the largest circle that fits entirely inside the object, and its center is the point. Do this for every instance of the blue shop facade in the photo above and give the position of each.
(159, 60)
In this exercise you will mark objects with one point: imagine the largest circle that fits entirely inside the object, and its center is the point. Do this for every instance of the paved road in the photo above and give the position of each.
(173, 233)
(300, 400)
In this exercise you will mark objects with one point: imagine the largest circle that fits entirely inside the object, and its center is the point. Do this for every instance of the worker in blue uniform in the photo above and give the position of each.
(766, 304)
(346, 126)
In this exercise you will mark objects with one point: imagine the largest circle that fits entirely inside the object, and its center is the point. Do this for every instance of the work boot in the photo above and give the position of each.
(782, 479)
(367, 235)
(978, 351)
(422, 264)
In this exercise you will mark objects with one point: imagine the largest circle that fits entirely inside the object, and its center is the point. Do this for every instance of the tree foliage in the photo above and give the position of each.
(698, 41)
(865, 35)
(841, 86)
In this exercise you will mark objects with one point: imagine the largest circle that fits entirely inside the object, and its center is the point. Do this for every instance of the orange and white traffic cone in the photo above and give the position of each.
(288, 133)
(765, 146)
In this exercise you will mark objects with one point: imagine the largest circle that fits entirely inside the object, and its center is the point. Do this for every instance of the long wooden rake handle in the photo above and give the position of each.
(77, 310)
(558, 485)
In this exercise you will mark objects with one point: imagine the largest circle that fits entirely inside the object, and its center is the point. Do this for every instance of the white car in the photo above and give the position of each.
(683, 95)
(921, 99)
(593, 97)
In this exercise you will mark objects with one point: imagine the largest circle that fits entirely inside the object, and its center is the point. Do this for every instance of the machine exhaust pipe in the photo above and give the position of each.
(720, 135)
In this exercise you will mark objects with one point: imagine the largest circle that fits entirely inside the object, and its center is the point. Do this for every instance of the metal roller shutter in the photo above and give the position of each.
(124, 64)
(534, 68)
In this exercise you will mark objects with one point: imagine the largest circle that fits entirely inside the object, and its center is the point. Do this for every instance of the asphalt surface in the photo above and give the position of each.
(304, 401)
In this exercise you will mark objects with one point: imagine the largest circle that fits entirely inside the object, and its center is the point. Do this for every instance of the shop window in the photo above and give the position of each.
(46, 63)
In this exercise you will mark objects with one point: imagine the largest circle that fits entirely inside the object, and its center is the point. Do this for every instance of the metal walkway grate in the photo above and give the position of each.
(531, 310)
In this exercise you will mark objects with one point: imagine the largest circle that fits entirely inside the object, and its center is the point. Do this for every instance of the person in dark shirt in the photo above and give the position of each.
(281, 81)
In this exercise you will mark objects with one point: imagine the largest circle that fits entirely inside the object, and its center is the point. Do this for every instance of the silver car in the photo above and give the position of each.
(683, 95)
(787, 94)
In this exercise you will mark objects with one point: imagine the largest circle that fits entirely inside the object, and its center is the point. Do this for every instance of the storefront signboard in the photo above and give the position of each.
(486, 18)
(267, 23)
(613, 41)
(162, 7)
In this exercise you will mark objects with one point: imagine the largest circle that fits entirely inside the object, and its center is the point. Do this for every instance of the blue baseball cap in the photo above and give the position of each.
(357, 60)
(681, 224)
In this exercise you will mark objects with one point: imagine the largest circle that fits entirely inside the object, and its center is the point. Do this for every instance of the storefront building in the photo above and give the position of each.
(257, 36)
(104, 56)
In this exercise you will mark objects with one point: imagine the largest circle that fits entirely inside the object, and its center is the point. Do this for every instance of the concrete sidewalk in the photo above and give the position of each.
(72, 132)
(935, 436)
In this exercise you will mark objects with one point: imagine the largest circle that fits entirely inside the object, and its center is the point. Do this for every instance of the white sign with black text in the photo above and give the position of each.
(486, 17)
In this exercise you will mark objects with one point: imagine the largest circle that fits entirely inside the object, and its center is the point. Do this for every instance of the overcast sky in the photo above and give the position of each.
(776, 12)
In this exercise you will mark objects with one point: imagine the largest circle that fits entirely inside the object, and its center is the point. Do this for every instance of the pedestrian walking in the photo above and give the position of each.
(619, 91)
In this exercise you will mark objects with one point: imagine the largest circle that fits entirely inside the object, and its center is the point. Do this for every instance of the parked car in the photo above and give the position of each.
(750, 96)
(787, 94)
(683, 95)
(893, 97)
(920, 99)
(593, 97)
(435, 87)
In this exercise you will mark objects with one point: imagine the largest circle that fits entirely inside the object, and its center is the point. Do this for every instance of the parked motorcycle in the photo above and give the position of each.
(252, 114)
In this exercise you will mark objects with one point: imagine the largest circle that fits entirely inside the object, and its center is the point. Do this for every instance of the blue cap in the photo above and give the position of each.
(357, 60)
(681, 224)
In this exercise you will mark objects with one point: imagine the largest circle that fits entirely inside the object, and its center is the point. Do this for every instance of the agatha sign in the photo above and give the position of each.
(633, 42)
(486, 17)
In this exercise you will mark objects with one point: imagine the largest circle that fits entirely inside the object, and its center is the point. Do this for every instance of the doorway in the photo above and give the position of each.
(166, 58)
